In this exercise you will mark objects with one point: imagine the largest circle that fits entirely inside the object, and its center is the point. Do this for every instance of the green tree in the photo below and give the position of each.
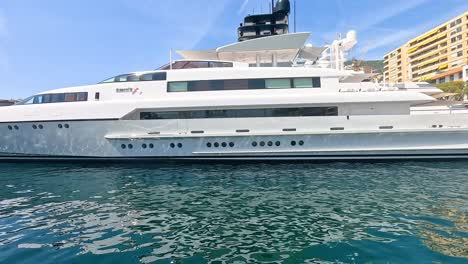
(458, 87)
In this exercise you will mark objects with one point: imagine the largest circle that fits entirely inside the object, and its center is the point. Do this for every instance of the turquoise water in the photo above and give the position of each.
(399, 212)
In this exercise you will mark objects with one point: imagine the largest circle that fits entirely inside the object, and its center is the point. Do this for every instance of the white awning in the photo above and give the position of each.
(284, 48)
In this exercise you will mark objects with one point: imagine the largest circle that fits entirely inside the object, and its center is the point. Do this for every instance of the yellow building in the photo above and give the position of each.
(438, 55)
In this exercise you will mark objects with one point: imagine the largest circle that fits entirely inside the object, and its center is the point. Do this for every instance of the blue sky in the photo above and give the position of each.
(49, 44)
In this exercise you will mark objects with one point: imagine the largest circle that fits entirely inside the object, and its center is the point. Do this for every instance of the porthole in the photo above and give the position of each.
(293, 143)
(262, 143)
(130, 146)
(34, 127)
(41, 127)
(216, 144)
(60, 126)
(209, 145)
(231, 144)
(151, 145)
(67, 126)
(270, 143)
(179, 145)
(10, 127)
(254, 144)
(123, 146)
(144, 146)
(16, 127)
(301, 143)
(172, 145)
(278, 143)
(224, 144)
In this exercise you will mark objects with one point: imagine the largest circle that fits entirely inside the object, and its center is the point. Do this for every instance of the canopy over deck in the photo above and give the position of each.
(280, 48)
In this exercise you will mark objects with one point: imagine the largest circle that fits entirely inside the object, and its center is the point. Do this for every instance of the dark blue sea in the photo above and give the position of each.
(390, 212)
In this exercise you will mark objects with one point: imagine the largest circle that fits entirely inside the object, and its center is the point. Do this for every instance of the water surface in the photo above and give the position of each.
(399, 212)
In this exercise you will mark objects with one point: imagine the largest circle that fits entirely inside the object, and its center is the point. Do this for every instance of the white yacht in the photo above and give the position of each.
(263, 98)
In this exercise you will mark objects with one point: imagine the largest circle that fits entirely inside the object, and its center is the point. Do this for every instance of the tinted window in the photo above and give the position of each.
(82, 97)
(278, 83)
(159, 76)
(38, 99)
(133, 78)
(70, 97)
(303, 83)
(217, 85)
(56, 98)
(122, 78)
(257, 84)
(196, 64)
(242, 113)
(316, 82)
(217, 64)
(177, 87)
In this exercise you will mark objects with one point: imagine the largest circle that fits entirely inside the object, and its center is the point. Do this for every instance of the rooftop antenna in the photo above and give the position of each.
(170, 59)
(295, 16)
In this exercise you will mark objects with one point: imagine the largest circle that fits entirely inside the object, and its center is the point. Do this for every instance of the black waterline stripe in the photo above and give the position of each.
(240, 156)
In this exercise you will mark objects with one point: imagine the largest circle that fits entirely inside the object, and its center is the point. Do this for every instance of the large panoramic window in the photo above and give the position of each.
(180, 65)
(155, 76)
(241, 113)
(55, 98)
(246, 84)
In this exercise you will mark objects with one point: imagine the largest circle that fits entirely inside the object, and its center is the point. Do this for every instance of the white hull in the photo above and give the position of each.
(361, 137)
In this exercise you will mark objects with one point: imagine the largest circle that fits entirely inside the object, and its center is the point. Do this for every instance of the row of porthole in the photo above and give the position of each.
(151, 146)
(217, 145)
(15, 127)
(277, 143)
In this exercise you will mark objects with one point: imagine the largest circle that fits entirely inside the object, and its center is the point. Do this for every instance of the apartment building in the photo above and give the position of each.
(438, 55)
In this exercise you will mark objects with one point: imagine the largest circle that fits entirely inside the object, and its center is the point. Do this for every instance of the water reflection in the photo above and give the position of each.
(275, 213)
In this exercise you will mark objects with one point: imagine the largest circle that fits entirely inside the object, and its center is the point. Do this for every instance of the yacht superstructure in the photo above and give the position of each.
(262, 98)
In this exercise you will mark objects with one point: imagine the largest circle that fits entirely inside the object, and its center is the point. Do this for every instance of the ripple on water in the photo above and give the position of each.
(244, 213)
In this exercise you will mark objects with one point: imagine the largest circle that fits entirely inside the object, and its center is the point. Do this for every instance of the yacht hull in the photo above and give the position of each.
(312, 138)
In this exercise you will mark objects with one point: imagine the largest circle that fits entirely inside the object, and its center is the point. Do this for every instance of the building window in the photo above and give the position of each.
(452, 78)
(241, 113)
(458, 30)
